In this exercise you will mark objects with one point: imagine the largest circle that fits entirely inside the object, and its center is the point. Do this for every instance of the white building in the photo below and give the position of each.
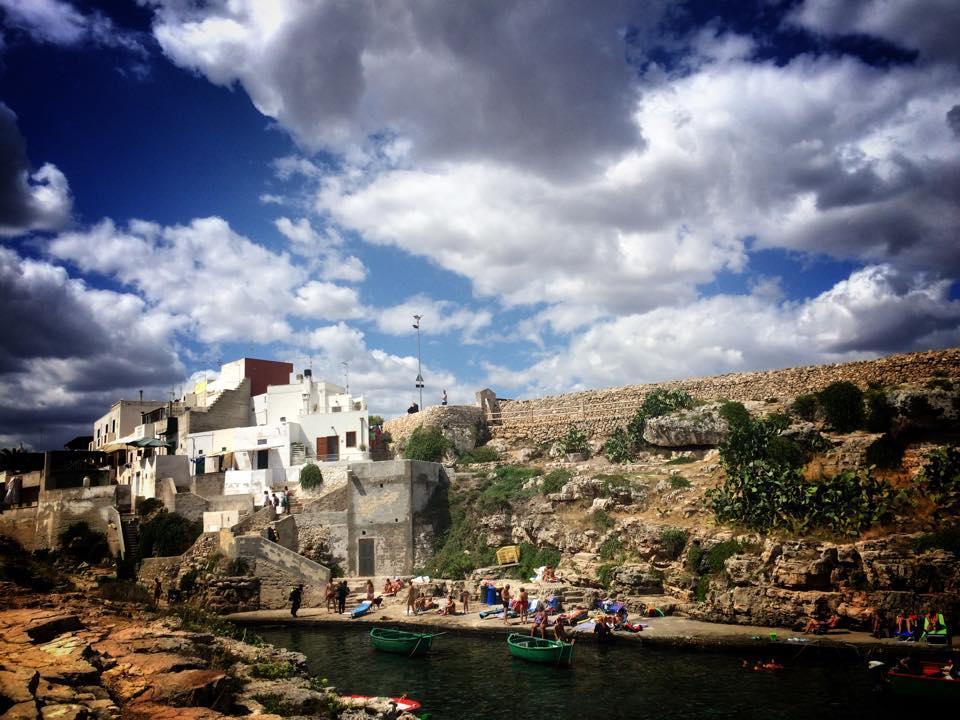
(299, 422)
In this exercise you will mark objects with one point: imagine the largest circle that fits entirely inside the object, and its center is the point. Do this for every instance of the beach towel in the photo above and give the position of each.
(484, 614)
(534, 604)
(585, 627)
(361, 609)
(553, 604)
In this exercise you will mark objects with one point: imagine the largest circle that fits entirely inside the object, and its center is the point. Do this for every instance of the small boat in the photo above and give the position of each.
(401, 641)
(931, 684)
(534, 649)
(361, 609)
(403, 703)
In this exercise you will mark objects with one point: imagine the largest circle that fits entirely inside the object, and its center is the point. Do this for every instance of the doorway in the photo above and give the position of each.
(365, 558)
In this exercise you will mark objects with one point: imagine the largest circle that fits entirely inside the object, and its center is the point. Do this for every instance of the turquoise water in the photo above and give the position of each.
(473, 677)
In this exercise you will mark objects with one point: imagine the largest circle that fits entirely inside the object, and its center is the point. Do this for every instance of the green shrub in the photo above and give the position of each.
(605, 573)
(273, 670)
(482, 454)
(575, 441)
(167, 534)
(612, 549)
(506, 487)
(554, 481)
(695, 558)
(148, 506)
(655, 404)
(941, 475)
(81, 544)
(885, 452)
(679, 482)
(945, 539)
(842, 404)
(702, 588)
(617, 447)
(880, 413)
(427, 444)
(26, 570)
(311, 476)
(613, 483)
(196, 619)
(716, 556)
(805, 407)
(673, 541)
(602, 520)
(188, 582)
(939, 383)
(374, 421)
(681, 460)
(735, 413)
(460, 549)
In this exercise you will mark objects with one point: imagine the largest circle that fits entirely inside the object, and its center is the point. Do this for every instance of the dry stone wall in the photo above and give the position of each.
(463, 425)
(599, 412)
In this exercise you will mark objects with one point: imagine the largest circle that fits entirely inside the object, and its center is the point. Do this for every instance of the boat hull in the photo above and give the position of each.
(924, 686)
(548, 652)
(401, 642)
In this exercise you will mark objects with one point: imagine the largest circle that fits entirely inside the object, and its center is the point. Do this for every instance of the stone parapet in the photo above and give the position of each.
(599, 412)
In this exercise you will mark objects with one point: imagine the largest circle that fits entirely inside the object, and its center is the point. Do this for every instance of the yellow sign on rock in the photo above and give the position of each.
(508, 554)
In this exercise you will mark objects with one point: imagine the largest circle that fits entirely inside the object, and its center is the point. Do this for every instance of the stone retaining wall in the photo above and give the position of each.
(599, 412)
(463, 425)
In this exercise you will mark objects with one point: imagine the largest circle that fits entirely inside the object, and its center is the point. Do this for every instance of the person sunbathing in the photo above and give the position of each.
(449, 608)
(549, 575)
(822, 627)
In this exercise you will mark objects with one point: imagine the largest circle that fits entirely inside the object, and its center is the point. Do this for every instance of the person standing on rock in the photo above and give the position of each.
(443, 398)
(296, 597)
(411, 599)
(342, 591)
(157, 590)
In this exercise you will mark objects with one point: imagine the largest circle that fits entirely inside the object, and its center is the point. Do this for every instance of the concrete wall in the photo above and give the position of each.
(286, 530)
(221, 519)
(278, 569)
(241, 504)
(21, 525)
(191, 506)
(230, 410)
(208, 484)
(58, 509)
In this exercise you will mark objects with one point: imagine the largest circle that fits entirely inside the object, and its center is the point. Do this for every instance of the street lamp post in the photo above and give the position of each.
(419, 381)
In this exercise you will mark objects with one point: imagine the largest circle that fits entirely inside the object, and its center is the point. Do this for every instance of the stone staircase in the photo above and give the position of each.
(298, 454)
(130, 527)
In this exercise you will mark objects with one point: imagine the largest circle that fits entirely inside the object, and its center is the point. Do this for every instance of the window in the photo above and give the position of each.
(351, 438)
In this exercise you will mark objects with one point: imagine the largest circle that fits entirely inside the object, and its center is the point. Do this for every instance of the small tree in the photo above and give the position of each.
(842, 404)
(310, 476)
(575, 441)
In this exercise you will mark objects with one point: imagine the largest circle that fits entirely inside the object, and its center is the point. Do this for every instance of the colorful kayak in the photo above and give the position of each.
(401, 641)
(361, 609)
(533, 649)
(402, 703)
(931, 684)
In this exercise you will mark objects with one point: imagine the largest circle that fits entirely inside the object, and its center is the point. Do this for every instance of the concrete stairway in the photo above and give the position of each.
(130, 527)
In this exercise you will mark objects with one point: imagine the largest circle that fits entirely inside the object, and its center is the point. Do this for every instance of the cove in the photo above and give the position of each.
(472, 677)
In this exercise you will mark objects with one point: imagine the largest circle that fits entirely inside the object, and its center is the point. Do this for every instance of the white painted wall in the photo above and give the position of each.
(214, 521)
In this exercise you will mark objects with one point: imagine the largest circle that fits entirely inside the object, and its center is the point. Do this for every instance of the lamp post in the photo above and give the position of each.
(419, 381)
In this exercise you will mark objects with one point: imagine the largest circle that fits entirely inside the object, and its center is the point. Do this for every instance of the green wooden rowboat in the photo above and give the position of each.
(401, 641)
(533, 649)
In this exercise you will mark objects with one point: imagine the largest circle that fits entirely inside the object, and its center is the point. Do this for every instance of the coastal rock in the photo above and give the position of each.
(18, 685)
(64, 712)
(687, 428)
(22, 711)
(46, 627)
(637, 579)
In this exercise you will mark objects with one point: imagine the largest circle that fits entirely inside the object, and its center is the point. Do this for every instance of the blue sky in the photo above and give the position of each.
(572, 195)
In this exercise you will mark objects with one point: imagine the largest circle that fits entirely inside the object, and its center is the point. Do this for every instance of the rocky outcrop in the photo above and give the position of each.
(462, 425)
(106, 661)
(698, 426)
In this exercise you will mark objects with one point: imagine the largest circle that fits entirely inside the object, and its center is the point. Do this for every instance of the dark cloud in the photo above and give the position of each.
(953, 119)
(70, 351)
(22, 207)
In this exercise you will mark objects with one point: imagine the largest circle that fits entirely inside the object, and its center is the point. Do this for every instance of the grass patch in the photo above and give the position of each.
(678, 482)
(482, 454)
(506, 486)
(681, 460)
(198, 620)
(613, 483)
(602, 520)
(427, 444)
(673, 541)
(605, 573)
(612, 549)
(702, 588)
(554, 481)
(719, 553)
(273, 670)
